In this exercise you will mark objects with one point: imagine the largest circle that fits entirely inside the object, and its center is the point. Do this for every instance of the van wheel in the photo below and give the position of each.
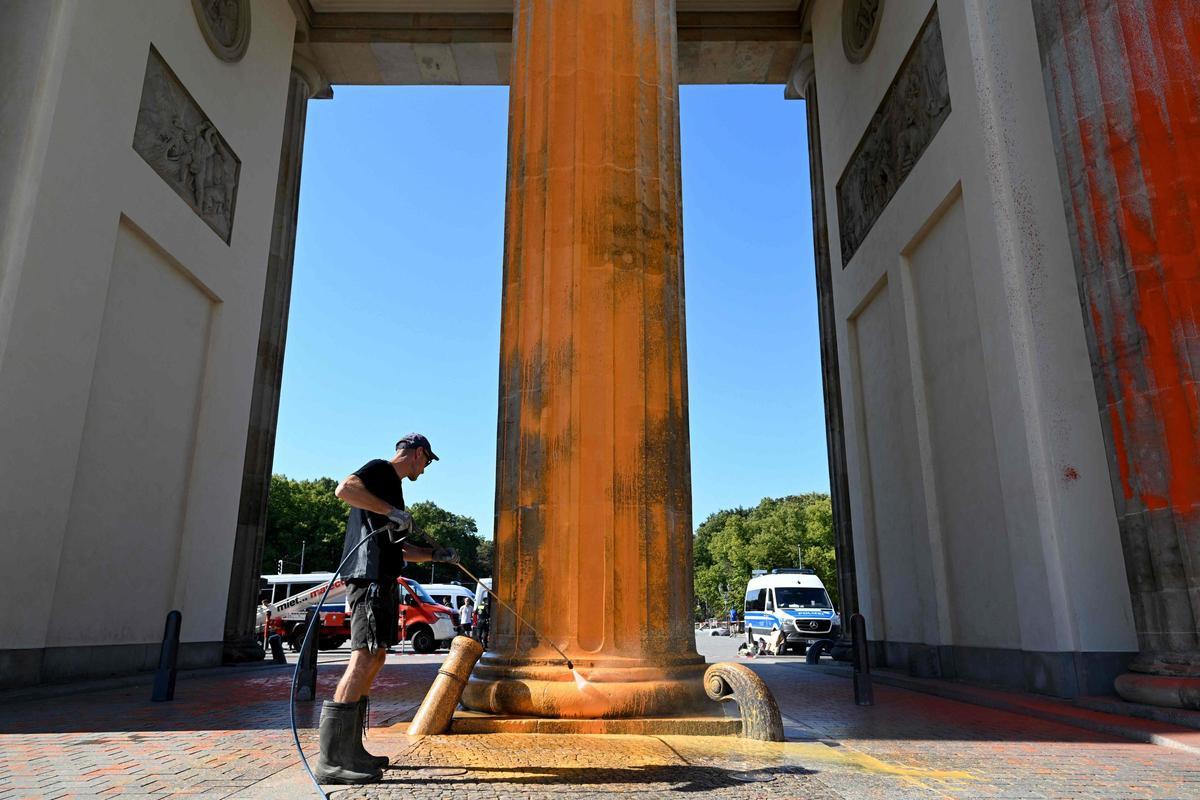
(423, 641)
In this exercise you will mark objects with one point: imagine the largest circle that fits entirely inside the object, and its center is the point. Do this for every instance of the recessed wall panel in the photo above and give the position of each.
(962, 447)
(887, 471)
(117, 574)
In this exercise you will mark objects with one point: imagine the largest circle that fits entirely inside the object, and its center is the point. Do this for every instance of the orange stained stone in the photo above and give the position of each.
(593, 496)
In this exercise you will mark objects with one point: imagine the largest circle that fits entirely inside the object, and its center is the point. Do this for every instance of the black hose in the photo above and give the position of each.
(296, 673)
(317, 624)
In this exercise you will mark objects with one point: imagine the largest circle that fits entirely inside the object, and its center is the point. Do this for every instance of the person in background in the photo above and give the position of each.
(466, 616)
(485, 623)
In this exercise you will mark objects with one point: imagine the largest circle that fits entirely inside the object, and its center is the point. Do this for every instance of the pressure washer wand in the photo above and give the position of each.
(570, 664)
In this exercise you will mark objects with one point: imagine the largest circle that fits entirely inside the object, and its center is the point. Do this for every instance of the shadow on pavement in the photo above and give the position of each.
(684, 778)
(820, 702)
(238, 702)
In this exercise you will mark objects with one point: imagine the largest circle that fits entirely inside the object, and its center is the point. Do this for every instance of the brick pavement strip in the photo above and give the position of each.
(226, 736)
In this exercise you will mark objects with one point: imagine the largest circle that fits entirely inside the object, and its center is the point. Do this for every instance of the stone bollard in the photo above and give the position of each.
(760, 713)
(164, 678)
(437, 709)
(863, 694)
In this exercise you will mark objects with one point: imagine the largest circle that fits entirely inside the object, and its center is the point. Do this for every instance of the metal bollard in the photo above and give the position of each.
(164, 678)
(306, 685)
(275, 641)
(863, 695)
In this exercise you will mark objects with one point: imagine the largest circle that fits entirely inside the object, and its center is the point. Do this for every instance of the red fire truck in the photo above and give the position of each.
(426, 623)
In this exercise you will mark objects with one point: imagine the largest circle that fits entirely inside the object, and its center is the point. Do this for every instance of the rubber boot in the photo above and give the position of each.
(339, 735)
(362, 757)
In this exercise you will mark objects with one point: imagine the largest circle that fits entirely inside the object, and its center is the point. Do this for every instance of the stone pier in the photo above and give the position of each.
(1122, 87)
(594, 526)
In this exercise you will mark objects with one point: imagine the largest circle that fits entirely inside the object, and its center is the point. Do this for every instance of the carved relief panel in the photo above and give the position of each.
(225, 25)
(908, 117)
(860, 26)
(179, 142)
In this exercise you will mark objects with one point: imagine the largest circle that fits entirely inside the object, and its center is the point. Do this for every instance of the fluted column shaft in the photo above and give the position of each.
(593, 496)
(1122, 89)
(241, 637)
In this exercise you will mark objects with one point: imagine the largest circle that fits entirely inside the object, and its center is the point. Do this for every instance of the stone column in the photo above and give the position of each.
(1121, 85)
(593, 494)
(803, 84)
(242, 642)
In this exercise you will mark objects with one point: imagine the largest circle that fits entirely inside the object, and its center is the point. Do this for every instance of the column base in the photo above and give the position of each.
(1166, 679)
(1159, 690)
(595, 689)
(242, 649)
(1162, 678)
(713, 724)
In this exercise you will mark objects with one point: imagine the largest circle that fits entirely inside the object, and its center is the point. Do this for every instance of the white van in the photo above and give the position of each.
(482, 590)
(450, 594)
(795, 602)
(273, 588)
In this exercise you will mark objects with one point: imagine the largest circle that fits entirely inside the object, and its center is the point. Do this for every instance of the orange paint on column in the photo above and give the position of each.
(593, 497)
(1142, 138)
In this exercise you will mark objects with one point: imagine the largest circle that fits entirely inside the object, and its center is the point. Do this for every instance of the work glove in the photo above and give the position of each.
(401, 519)
(444, 555)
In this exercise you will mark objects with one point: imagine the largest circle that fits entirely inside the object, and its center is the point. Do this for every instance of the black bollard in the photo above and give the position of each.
(164, 678)
(863, 695)
(275, 641)
(306, 684)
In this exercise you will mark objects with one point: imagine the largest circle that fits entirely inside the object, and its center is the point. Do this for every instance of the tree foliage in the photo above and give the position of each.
(732, 542)
(452, 530)
(307, 511)
(304, 511)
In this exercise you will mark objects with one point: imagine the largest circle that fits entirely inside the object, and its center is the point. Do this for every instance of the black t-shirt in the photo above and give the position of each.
(380, 479)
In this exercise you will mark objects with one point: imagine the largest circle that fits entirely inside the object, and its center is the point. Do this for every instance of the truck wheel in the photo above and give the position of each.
(423, 641)
(295, 637)
(331, 642)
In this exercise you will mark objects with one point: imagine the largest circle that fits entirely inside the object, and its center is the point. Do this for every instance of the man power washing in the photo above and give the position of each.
(376, 501)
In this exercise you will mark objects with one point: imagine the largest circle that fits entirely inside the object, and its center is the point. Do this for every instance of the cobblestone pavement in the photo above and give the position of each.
(226, 736)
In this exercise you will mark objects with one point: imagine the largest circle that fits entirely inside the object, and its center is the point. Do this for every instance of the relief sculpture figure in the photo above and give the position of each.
(181, 144)
(910, 114)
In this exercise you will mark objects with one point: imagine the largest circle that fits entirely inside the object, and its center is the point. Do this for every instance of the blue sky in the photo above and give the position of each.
(395, 317)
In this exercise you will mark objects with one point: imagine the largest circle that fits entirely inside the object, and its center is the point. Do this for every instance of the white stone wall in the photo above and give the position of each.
(128, 332)
(982, 508)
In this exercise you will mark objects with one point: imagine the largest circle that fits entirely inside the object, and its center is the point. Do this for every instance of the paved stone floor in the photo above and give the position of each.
(226, 736)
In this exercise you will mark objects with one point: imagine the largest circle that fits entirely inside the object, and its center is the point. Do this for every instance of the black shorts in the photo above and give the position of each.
(374, 615)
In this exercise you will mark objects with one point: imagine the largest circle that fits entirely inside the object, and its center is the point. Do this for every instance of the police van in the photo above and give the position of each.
(795, 602)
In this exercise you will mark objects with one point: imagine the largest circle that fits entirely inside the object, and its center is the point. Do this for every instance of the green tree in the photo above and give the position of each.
(308, 512)
(452, 530)
(732, 542)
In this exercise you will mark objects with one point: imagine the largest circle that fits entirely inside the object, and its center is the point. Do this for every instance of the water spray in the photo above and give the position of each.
(570, 664)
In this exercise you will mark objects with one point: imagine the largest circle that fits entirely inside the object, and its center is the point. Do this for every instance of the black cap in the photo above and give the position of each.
(412, 440)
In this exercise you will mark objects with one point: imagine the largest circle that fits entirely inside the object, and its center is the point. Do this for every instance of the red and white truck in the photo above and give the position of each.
(426, 623)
